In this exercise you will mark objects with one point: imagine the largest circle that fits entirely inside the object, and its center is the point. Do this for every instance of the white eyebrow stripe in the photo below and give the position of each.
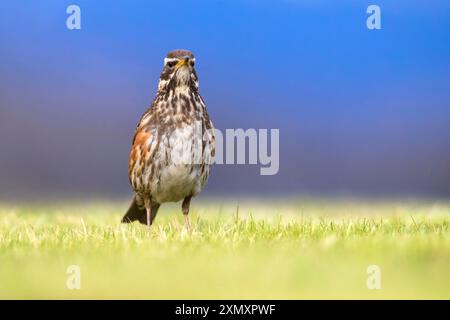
(174, 59)
(169, 60)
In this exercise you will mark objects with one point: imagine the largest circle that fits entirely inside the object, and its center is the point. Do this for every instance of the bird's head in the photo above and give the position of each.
(178, 71)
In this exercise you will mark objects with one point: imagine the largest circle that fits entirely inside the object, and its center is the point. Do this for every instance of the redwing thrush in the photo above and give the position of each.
(168, 162)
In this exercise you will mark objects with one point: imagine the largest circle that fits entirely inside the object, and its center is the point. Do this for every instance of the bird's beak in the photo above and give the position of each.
(182, 62)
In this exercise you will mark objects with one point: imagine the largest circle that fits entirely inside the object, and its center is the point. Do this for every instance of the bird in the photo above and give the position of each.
(173, 144)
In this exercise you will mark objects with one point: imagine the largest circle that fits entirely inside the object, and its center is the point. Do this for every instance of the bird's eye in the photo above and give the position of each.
(192, 62)
(171, 64)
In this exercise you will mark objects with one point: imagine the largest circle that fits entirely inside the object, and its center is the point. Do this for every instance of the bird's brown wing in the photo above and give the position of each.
(144, 145)
(142, 152)
(139, 151)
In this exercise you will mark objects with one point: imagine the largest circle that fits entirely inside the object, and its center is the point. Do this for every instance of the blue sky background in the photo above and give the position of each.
(360, 112)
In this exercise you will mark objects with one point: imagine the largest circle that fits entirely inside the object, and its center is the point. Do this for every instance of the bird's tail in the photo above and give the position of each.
(135, 213)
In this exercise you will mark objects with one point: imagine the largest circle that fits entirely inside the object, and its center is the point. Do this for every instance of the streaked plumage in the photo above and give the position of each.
(164, 165)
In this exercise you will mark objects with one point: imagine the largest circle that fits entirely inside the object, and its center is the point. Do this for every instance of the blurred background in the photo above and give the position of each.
(361, 112)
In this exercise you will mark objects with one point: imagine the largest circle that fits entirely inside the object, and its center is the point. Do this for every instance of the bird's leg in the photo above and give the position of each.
(185, 208)
(148, 209)
(149, 220)
(152, 209)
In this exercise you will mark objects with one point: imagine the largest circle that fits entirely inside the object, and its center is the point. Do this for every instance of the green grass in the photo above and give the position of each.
(268, 250)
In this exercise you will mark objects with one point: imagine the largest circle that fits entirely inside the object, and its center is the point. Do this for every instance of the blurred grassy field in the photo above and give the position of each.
(271, 250)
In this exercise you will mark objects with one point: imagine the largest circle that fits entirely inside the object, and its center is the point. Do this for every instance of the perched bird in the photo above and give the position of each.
(173, 144)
